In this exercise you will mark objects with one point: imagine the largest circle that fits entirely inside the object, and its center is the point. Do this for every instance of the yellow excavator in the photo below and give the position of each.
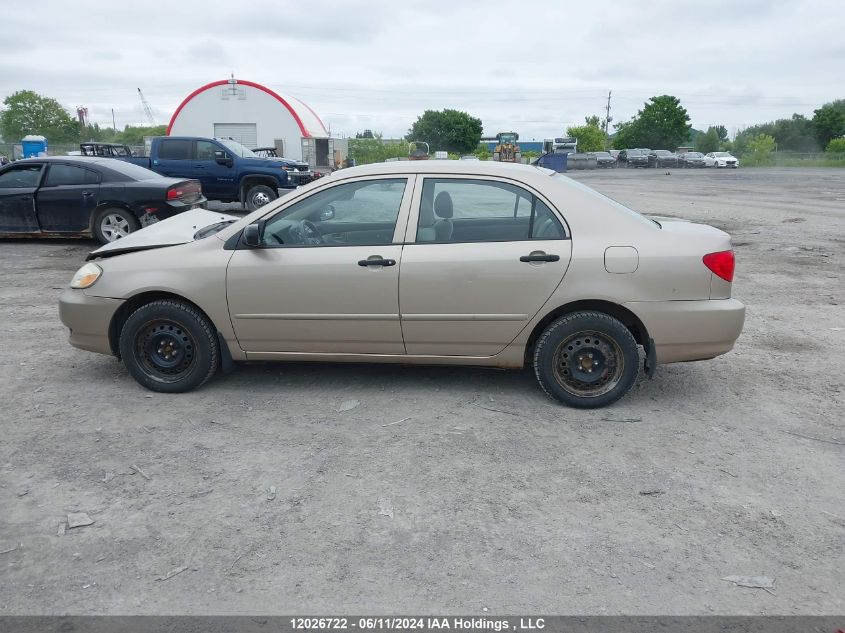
(507, 151)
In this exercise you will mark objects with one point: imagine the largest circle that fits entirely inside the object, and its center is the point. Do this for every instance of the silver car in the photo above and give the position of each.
(430, 262)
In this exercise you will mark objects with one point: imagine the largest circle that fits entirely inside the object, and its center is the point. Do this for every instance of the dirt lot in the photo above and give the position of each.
(447, 489)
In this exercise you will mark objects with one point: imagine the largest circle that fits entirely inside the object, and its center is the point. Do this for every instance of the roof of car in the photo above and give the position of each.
(65, 159)
(469, 167)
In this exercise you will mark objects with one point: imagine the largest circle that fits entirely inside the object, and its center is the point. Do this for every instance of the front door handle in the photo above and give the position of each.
(539, 257)
(377, 261)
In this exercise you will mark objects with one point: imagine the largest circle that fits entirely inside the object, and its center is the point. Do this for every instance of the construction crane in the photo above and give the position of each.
(147, 109)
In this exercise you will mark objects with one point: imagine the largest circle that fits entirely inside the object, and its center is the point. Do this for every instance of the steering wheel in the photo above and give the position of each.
(306, 232)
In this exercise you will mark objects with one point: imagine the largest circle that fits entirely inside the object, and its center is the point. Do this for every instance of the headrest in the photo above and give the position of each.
(443, 205)
(426, 218)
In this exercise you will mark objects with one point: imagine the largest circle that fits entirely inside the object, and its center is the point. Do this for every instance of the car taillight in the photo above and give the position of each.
(721, 263)
(184, 190)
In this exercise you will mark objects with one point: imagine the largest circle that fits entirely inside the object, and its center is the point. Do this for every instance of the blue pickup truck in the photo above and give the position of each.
(227, 170)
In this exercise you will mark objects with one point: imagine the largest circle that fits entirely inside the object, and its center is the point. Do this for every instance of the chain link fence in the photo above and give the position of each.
(13, 151)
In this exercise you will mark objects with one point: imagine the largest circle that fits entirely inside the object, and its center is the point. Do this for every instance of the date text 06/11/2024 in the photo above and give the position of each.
(415, 623)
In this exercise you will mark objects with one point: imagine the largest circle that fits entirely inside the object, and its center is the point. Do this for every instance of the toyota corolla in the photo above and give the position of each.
(434, 262)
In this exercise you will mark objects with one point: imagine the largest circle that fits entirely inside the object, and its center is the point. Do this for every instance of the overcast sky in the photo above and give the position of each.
(534, 67)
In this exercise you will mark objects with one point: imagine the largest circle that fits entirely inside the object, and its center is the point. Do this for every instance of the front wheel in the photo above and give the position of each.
(112, 224)
(586, 360)
(258, 196)
(169, 346)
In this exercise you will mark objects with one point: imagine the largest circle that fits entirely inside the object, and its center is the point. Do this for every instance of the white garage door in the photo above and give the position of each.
(244, 133)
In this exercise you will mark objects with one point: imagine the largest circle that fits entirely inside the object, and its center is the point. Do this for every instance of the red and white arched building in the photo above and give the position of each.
(255, 116)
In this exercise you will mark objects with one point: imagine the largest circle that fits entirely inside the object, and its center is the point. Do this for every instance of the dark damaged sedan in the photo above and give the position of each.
(81, 196)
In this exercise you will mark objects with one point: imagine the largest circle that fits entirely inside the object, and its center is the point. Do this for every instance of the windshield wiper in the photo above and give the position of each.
(211, 229)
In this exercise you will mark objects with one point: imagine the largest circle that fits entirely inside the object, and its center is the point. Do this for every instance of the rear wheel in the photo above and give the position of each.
(112, 224)
(258, 196)
(169, 346)
(586, 360)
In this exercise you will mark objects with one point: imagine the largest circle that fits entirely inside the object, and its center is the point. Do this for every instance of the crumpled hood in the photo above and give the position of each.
(179, 229)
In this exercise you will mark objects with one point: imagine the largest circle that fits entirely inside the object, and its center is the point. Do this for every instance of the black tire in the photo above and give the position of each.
(258, 196)
(169, 346)
(571, 348)
(113, 223)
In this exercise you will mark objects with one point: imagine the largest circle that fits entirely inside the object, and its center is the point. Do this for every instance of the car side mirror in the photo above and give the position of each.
(252, 235)
(222, 158)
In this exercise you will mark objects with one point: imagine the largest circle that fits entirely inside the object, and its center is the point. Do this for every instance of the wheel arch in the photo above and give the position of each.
(250, 180)
(630, 320)
(111, 204)
(136, 301)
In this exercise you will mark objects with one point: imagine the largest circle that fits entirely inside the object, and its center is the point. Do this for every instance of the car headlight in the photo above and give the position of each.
(86, 276)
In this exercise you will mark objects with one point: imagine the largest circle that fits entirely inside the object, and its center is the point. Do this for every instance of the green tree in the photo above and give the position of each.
(27, 112)
(795, 134)
(836, 146)
(829, 121)
(365, 134)
(590, 136)
(447, 130)
(375, 150)
(135, 135)
(662, 124)
(759, 149)
(708, 142)
(482, 152)
(626, 135)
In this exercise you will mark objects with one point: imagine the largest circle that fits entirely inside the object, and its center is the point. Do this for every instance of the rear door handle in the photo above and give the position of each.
(377, 262)
(539, 258)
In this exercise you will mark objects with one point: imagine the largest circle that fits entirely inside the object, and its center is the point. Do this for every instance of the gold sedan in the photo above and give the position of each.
(435, 262)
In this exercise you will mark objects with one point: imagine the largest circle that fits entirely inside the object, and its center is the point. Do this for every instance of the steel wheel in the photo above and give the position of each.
(586, 359)
(165, 350)
(169, 346)
(588, 364)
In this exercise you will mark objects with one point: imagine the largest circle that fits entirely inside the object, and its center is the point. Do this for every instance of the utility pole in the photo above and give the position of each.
(113, 124)
(607, 119)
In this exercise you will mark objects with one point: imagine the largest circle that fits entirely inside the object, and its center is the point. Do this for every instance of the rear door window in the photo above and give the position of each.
(174, 149)
(60, 175)
(465, 210)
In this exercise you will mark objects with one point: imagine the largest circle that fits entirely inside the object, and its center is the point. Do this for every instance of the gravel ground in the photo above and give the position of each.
(446, 489)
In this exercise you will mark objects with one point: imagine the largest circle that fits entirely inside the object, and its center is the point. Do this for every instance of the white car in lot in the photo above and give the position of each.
(722, 159)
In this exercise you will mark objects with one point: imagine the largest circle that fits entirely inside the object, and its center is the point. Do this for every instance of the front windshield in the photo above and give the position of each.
(721, 154)
(238, 149)
(662, 152)
(694, 154)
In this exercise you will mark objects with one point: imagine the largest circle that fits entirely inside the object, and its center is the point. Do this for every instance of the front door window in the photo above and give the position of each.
(359, 214)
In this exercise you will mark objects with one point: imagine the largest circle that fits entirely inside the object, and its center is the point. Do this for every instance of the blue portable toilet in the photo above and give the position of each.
(33, 145)
(556, 162)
